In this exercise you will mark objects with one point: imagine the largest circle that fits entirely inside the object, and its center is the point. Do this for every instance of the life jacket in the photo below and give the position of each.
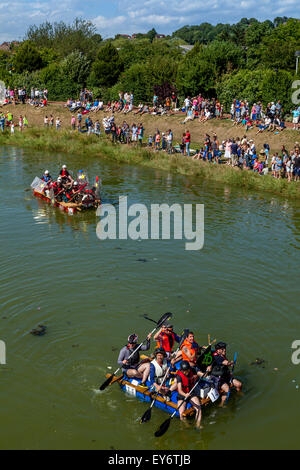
(56, 188)
(220, 370)
(64, 173)
(166, 342)
(135, 358)
(160, 371)
(193, 348)
(187, 380)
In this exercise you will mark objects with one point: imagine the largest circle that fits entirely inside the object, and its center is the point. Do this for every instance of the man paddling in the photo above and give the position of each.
(165, 338)
(158, 369)
(220, 368)
(133, 367)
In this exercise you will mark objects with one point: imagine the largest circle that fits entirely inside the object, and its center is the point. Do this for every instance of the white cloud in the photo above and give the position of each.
(132, 16)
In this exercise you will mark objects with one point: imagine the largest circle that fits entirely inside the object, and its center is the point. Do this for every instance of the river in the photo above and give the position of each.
(242, 287)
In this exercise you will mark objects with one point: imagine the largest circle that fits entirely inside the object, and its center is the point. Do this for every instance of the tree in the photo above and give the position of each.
(64, 39)
(107, 67)
(76, 66)
(27, 58)
(196, 74)
(152, 34)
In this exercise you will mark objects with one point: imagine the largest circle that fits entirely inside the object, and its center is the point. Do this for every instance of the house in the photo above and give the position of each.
(160, 36)
(7, 46)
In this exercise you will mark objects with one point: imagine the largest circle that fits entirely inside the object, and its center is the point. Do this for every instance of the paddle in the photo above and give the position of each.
(150, 319)
(165, 425)
(233, 366)
(147, 415)
(77, 192)
(160, 322)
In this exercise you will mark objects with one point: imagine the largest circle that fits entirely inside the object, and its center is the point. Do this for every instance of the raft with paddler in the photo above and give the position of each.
(69, 194)
(180, 377)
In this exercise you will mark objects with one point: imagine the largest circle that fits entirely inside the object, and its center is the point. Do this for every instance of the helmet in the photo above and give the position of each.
(75, 183)
(64, 167)
(46, 172)
(220, 345)
(185, 365)
(59, 179)
(132, 339)
(159, 351)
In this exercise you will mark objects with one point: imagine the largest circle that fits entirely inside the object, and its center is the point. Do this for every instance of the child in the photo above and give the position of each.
(150, 141)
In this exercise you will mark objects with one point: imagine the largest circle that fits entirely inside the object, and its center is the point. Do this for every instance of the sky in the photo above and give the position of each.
(131, 16)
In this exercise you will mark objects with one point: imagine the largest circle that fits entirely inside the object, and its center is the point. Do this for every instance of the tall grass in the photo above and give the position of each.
(91, 146)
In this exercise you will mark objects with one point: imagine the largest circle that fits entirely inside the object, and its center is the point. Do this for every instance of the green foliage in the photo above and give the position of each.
(64, 39)
(151, 34)
(278, 49)
(256, 85)
(58, 84)
(196, 74)
(76, 67)
(107, 67)
(27, 58)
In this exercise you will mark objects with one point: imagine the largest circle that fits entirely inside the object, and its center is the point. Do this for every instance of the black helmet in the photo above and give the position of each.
(159, 351)
(132, 339)
(185, 365)
(220, 345)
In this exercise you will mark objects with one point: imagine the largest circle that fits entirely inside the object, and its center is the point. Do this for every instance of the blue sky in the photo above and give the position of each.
(131, 16)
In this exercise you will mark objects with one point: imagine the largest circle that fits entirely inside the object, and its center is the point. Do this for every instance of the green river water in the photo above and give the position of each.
(242, 287)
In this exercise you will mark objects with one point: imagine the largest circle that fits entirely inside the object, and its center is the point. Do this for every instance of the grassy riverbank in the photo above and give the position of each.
(94, 147)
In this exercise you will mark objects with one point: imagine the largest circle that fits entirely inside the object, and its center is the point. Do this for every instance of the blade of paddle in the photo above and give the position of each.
(146, 416)
(163, 428)
(234, 361)
(167, 316)
(106, 383)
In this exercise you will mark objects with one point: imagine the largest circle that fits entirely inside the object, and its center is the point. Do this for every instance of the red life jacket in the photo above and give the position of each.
(166, 341)
(187, 381)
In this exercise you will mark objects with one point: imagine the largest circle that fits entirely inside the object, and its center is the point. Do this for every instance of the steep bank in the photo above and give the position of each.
(90, 146)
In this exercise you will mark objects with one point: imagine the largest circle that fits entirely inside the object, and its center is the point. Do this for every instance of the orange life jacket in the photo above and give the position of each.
(193, 349)
(166, 341)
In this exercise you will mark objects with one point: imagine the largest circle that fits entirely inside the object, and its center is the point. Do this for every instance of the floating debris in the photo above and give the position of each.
(143, 260)
(257, 362)
(39, 331)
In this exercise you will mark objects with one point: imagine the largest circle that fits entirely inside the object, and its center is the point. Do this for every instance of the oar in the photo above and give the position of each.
(233, 365)
(77, 192)
(150, 319)
(147, 415)
(160, 322)
(165, 425)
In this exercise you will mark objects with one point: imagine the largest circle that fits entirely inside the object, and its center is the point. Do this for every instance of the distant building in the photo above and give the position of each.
(159, 36)
(7, 46)
(124, 36)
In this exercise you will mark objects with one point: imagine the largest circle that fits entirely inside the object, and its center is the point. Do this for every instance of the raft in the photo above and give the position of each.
(132, 387)
(69, 207)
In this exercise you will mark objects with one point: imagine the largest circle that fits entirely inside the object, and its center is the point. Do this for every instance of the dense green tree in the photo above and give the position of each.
(196, 74)
(64, 39)
(107, 67)
(152, 34)
(76, 67)
(27, 58)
